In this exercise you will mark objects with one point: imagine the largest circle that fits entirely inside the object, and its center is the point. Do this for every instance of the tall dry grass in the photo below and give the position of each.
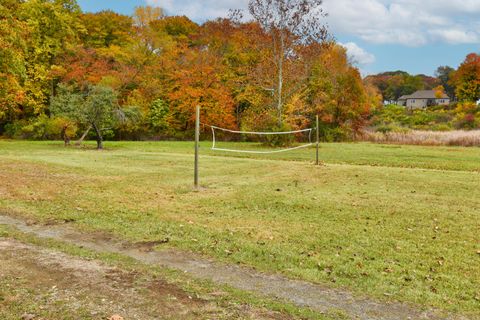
(426, 138)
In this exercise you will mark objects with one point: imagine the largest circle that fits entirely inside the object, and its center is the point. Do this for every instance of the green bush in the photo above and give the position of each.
(337, 134)
(41, 128)
(280, 140)
(437, 118)
(157, 115)
(13, 130)
(391, 128)
(442, 127)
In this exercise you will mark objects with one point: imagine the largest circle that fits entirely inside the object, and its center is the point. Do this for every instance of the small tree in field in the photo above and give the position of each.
(96, 108)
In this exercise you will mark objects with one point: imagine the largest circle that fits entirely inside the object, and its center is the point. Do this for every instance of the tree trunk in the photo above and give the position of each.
(65, 136)
(280, 78)
(99, 137)
(79, 142)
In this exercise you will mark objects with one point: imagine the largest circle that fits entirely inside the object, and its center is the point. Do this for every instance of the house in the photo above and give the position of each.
(423, 99)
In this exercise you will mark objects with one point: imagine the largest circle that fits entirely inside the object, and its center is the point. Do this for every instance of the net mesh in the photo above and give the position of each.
(259, 142)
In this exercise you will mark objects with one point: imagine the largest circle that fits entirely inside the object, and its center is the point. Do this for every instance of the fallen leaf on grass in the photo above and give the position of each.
(116, 317)
(328, 270)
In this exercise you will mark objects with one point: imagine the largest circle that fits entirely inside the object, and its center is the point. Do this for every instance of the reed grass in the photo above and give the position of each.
(425, 138)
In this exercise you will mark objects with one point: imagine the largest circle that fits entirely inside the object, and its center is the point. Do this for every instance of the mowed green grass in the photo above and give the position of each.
(386, 221)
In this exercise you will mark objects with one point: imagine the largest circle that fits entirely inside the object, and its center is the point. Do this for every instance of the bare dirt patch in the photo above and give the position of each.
(38, 283)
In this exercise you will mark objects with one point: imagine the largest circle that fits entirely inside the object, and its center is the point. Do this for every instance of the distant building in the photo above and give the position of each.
(423, 99)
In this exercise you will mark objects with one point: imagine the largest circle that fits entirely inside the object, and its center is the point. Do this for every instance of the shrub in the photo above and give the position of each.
(280, 140)
(41, 128)
(14, 130)
(157, 115)
(337, 134)
(456, 116)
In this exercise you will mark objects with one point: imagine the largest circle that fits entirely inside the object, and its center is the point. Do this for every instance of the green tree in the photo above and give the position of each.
(444, 74)
(96, 108)
(157, 115)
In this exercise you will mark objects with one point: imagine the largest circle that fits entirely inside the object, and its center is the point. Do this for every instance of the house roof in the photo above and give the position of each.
(424, 94)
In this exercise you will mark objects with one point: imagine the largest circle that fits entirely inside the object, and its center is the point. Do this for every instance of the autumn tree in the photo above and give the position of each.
(13, 49)
(337, 93)
(439, 92)
(290, 25)
(181, 28)
(54, 27)
(85, 67)
(198, 82)
(240, 49)
(467, 79)
(143, 16)
(106, 28)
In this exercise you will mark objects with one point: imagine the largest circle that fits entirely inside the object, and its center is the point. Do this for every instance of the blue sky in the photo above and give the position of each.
(416, 36)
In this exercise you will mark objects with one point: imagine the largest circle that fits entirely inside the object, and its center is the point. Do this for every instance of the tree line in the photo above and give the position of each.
(66, 73)
(69, 74)
(461, 85)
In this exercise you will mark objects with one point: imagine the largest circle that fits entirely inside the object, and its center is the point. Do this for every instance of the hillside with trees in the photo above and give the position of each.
(394, 84)
(461, 85)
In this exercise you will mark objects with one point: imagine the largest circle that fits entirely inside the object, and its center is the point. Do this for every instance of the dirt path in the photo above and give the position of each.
(301, 293)
(38, 283)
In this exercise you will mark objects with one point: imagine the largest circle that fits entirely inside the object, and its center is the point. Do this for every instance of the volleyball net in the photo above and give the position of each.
(257, 142)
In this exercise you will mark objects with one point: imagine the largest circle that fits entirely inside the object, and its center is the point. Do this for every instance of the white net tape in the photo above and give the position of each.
(214, 147)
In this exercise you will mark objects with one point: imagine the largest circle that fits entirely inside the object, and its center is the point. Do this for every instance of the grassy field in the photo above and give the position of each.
(393, 222)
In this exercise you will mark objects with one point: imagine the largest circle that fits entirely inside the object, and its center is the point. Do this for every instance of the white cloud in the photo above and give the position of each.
(455, 36)
(358, 55)
(407, 22)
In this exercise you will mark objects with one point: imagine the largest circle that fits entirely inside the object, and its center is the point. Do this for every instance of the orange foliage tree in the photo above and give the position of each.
(467, 79)
(197, 82)
(338, 95)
